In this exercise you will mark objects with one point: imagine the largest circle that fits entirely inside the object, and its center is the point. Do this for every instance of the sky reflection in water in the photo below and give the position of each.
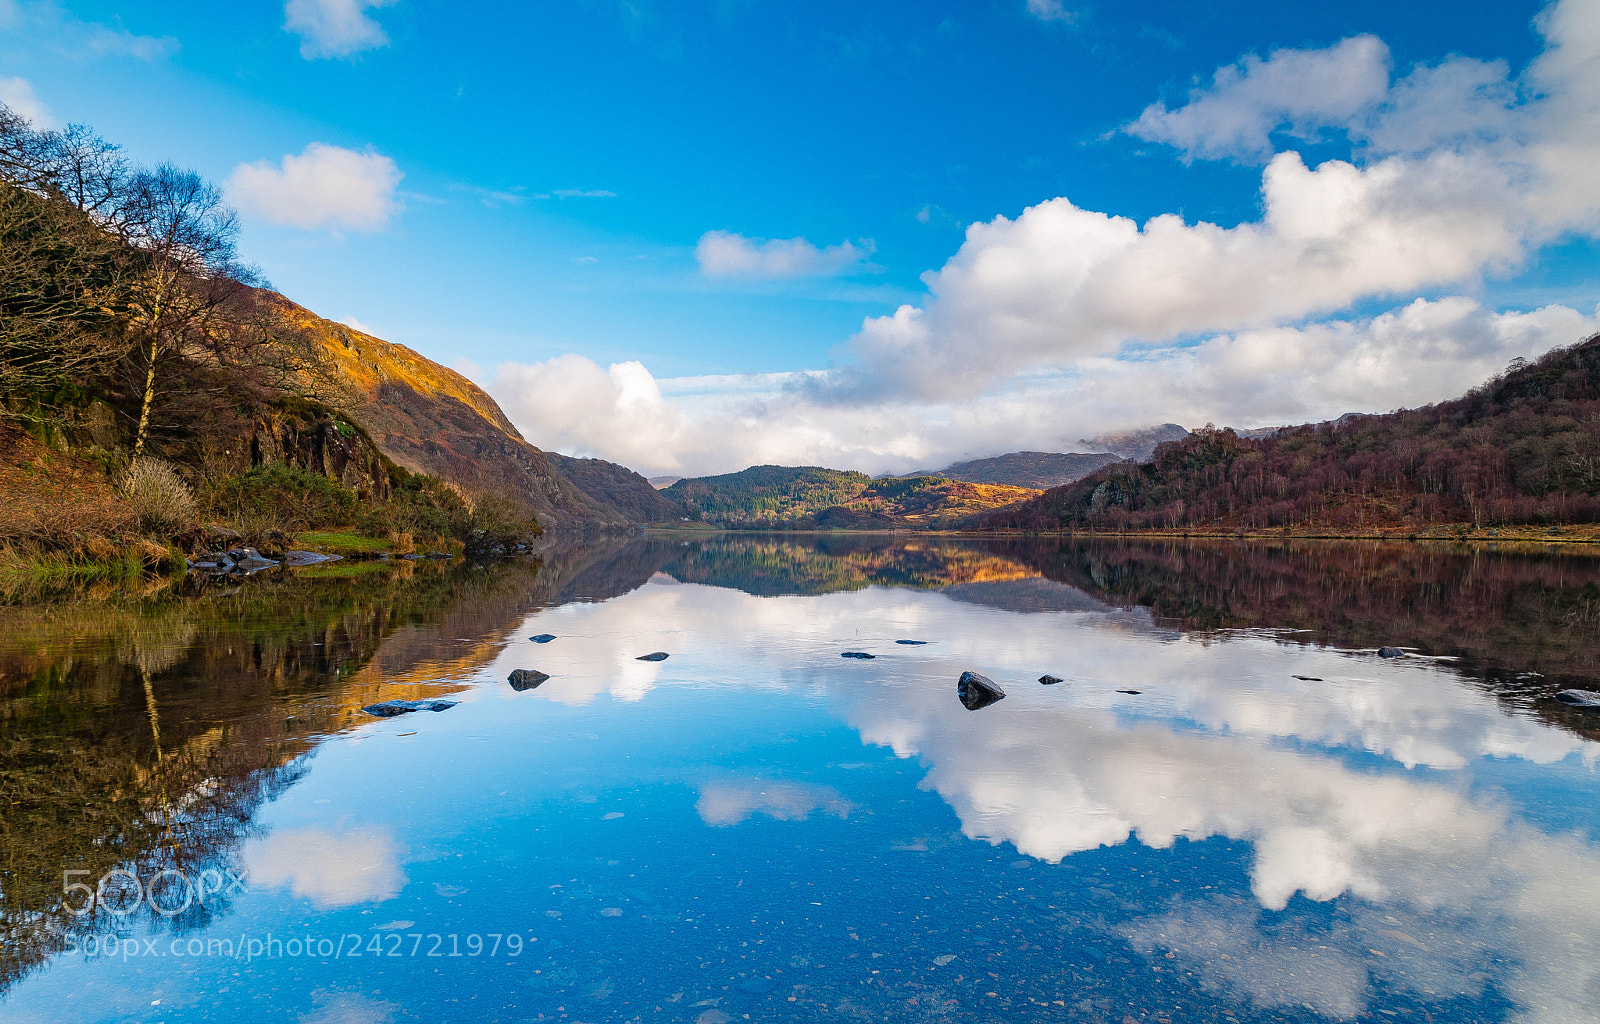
(759, 826)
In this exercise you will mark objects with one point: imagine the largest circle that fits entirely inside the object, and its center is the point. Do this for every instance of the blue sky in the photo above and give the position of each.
(672, 234)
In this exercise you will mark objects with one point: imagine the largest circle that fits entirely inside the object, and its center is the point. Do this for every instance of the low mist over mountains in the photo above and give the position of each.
(1138, 445)
(1039, 470)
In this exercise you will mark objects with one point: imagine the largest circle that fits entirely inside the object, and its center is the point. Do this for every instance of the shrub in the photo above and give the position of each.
(281, 497)
(163, 502)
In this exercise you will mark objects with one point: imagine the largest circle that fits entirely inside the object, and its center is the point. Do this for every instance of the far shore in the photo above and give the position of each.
(1452, 533)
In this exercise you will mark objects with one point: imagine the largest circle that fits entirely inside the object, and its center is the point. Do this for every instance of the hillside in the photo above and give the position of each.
(765, 494)
(1036, 470)
(922, 502)
(1523, 449)
(618, 488)
(433, 420)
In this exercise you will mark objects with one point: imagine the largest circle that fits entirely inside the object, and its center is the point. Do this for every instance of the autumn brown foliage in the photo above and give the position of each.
(1522, 449)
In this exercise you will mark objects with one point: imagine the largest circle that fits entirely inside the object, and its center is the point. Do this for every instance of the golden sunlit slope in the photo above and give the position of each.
(431, 419)
(920, 502)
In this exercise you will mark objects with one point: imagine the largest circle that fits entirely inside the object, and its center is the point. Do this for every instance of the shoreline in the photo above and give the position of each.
(1509, 535)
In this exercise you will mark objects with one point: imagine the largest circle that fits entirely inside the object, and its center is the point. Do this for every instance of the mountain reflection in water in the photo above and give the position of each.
(1279, 825)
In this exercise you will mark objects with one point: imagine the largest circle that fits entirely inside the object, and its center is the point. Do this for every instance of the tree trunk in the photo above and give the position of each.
(144, 408)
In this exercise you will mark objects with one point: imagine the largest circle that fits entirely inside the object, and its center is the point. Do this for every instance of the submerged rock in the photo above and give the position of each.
(1391, 652)
(1309, 679)
(391, 708)
(911, 643)
(1049, 680)
(1579, 698)
(978, 691)
(1134, 692)
(526, 679)
(543, 638)
(308, 557)
(653, 656)
(861, 655)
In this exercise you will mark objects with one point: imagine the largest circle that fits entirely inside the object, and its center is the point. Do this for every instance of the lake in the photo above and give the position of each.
(1229, 808)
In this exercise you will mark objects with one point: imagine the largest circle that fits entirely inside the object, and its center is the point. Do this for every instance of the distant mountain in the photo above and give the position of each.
(1038, 470)
(661, 482)
(1523, 449)
(765, 494)
(1138, 445)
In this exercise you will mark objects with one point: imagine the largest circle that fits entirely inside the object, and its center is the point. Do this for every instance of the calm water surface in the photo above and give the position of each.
(1277, 826)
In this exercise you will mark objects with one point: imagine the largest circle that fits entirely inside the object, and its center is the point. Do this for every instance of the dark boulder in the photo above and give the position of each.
(1391, 652)
(526, 679)
(912, 643)
(978, 691)
(391, 708)
(1579, 698)
(1309, 679)
(543, 638)
(654, 656)
(1134, 692)
(1049, 680)
(860, 655)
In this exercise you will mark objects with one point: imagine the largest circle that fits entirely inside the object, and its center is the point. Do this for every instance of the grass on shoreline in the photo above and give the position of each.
(27, 571)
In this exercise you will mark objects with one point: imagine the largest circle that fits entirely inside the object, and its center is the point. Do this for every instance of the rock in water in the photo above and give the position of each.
(543, 638)
(757, 986)
(911, 643)
(438, 555)
(977, 691)
(861, 655)
(655, 656)
(526, 679)
(1049, 680)
(1579, 698)
(1391, 652)
(1134, 692)
(307, 557)
(391, 708)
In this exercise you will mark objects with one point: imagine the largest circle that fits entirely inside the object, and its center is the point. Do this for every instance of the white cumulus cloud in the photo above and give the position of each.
(1247, 101)
(573, 405)
(334, 28)
(723, 254)
(322, 187)
(1469, 196)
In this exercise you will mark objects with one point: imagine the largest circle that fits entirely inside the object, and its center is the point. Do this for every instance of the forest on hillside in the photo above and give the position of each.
(1523, 448)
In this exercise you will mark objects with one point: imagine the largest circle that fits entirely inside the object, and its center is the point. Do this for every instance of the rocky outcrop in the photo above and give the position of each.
(314, 438)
